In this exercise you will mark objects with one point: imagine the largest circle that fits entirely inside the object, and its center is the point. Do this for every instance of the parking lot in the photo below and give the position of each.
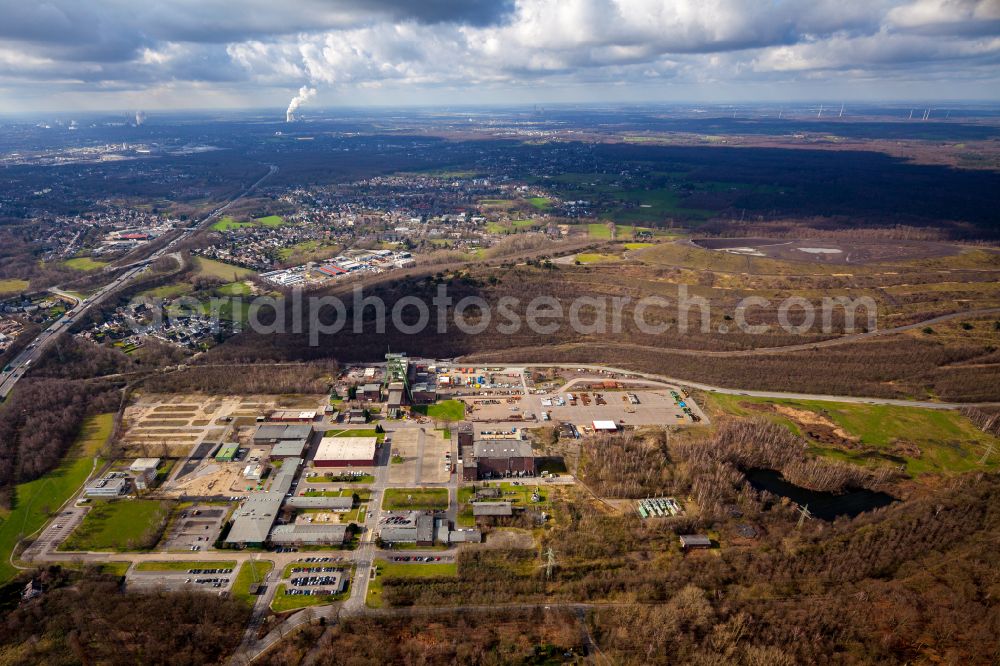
(196, 527)
(208, 580)
(580, 404)
(422, 453)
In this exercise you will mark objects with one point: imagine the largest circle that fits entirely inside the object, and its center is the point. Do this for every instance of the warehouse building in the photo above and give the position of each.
(308, 534)
(254, 519)
(370, 392)
(605, 426)
(293, 416)
(335, 504)
(346, 452)
(492, 509)
(692, 541)
(421, 532)
(227, 452)
(500, 458)
(287, 441)
(144, 470)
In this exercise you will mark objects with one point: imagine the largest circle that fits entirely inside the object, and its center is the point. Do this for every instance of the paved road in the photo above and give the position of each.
(22, 362)
(760, 394)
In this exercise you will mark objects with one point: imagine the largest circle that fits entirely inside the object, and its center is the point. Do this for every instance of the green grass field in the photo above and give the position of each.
(116, 525)
(234, 289)
(168, 290)
(35, 501)
(415, 498)
(11, 286)
(446, 410)
(386, 569)
(227, 223)
(176, 565)
(218, 269)
(251, 571)
(366, 478)
(540, 203)
(594, 258)
(270, 221)
(948, 442)
(84, 264)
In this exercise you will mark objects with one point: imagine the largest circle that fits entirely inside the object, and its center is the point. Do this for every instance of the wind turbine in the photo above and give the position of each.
(820, 114)
(841, 114)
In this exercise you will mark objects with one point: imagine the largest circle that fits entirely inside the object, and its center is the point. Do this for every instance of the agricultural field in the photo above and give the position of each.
(415, 498)
(924, 440)
(119, 525)
(35, 501)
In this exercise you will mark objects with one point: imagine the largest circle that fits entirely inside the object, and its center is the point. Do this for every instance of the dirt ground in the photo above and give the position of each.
(170, 425)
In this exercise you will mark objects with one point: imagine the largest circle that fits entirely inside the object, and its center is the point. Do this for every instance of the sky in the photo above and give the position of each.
(64, 55)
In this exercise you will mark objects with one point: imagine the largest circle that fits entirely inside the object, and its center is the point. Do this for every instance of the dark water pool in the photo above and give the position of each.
(824, 505)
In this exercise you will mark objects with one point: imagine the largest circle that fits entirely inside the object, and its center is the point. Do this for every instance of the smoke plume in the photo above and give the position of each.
(305, 94)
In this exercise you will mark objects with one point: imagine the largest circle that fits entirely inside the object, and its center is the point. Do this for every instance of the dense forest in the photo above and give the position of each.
(39, 422)
(88, 619)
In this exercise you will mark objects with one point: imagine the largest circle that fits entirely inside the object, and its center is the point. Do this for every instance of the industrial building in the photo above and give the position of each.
(691, 541)
(253, 520)
(370, 392)
(420, 533)
(308, 534)
(605, 426)
(227, 452)
(144, 470)
(346, 452)
(492, 509)
(293, 416)
(334, 504)
(497, 459)
(287, 441)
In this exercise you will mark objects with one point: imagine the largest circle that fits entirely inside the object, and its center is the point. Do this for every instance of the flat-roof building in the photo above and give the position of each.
(689, 541)
(335, 504)
(492, 509)
(272, 433)
(309, 534)
(293, 415)
(253, 520)
(346, 452)
(605, 426)
(227, 452)
(112, 485)
(501, 458)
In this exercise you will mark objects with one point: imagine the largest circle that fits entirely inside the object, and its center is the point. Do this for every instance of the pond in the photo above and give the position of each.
(824, 505)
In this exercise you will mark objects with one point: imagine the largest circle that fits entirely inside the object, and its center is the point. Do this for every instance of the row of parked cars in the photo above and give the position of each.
(214, 582)
(210, 571)
(317, 593)
(315, 569)
(312, 581)
(407, 558)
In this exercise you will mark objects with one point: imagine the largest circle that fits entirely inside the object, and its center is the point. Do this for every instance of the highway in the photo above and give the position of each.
(17, 368)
